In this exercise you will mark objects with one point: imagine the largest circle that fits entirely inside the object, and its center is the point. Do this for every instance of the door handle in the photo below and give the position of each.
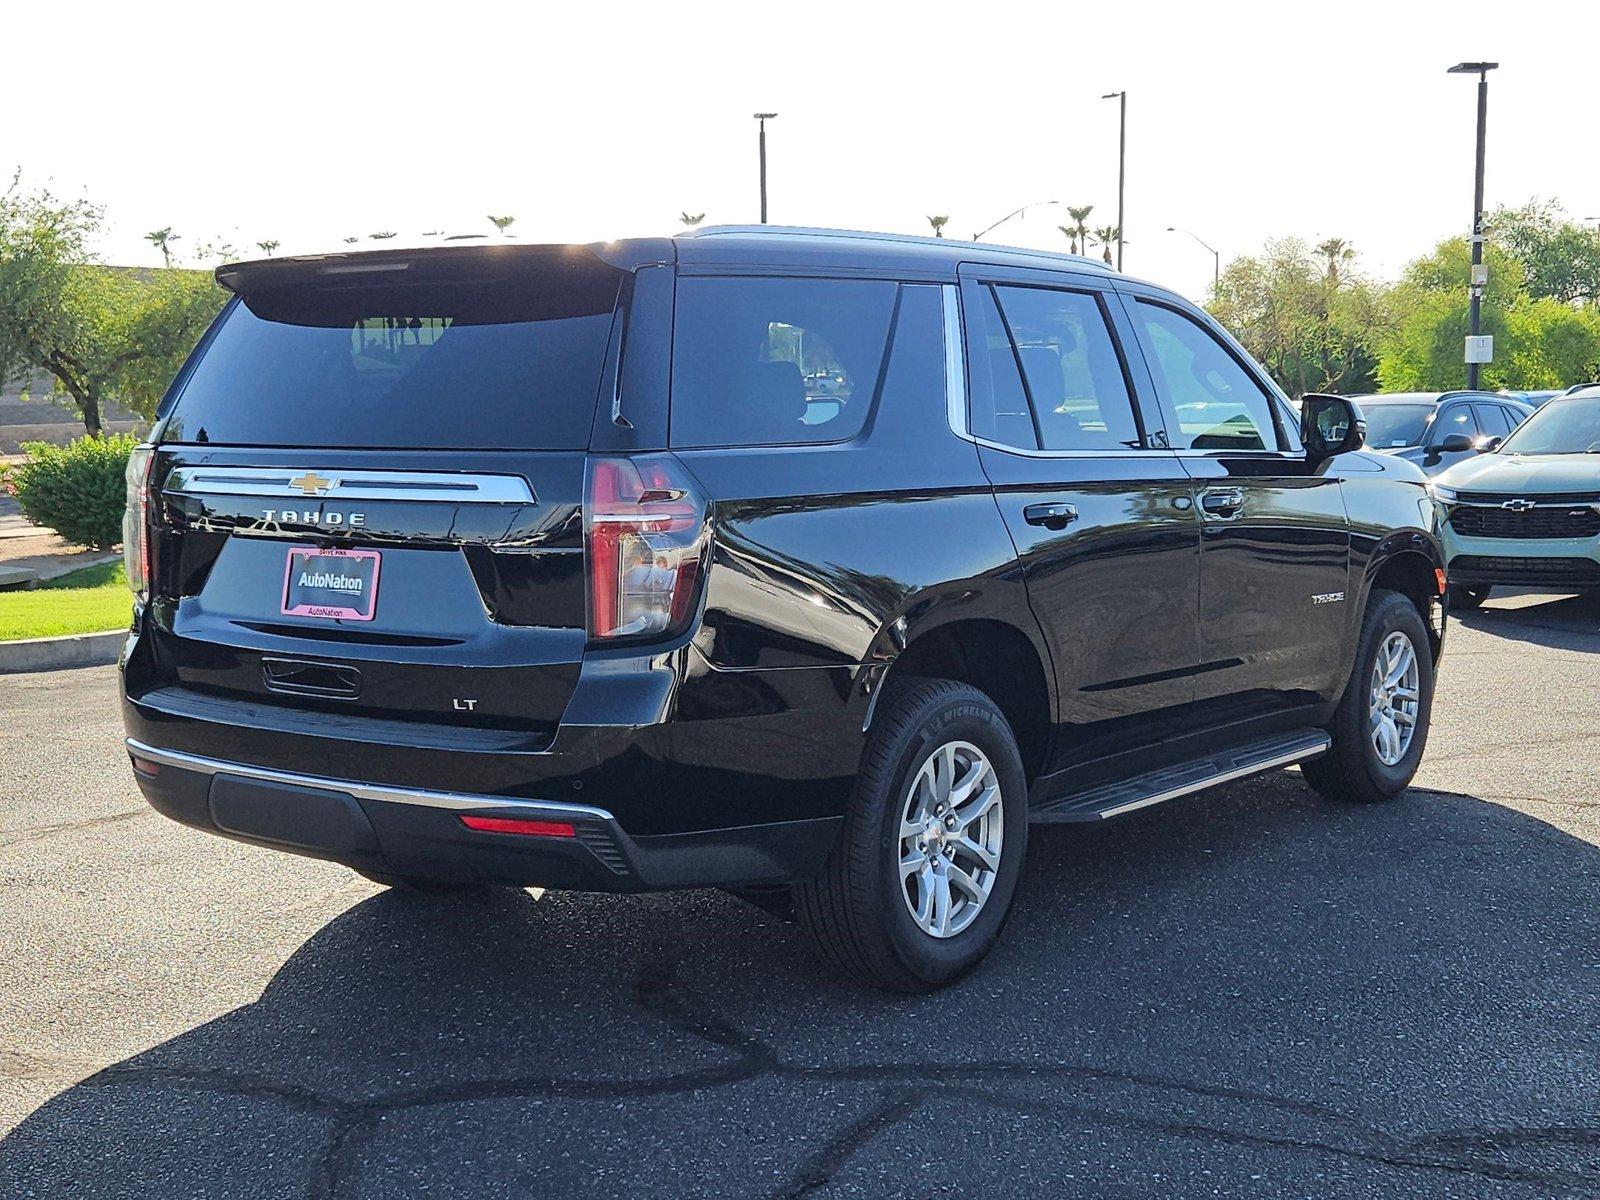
(1225, 502)
(1051, 516)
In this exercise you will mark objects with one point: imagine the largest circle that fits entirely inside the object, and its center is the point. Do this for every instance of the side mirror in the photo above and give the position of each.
(1330, 425)
(1455, 443)
(1488, 445)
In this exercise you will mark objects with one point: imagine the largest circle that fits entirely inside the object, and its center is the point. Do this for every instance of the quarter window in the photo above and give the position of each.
(760, 362)
(1216, 403)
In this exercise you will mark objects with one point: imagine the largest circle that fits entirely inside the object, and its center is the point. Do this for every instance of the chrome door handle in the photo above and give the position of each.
(1225, 502)
(1051, 516)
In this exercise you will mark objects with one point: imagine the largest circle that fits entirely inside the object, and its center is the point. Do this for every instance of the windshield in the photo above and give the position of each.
(1390, 426)
(1569, 426)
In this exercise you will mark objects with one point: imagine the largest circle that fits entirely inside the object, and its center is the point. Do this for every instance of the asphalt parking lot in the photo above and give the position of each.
(1253, 992)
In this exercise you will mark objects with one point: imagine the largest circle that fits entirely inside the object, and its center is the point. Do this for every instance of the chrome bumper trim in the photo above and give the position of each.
(387, 793)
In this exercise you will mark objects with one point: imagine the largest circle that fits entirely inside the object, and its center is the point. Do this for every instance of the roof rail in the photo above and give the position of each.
(909, 239)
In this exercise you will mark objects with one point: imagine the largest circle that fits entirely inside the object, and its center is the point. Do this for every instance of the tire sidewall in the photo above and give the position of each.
(968, 718)
(1394, 614)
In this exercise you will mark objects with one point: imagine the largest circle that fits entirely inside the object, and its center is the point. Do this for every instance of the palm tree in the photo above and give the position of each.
(691, 219)
(1080, 234)
(385, 235)
(502, 223)
(1106, 236)
(162, 240)
(1336, 251)
(938, 224)
(351, 241)
(1072, 235)
(268, 246)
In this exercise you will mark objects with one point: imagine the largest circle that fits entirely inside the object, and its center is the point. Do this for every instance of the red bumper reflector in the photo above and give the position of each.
(518, 825)
(1438, 576)
(144, 766)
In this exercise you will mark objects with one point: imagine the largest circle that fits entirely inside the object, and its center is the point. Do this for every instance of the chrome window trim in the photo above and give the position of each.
(386, 793)
(454, 487)
(955, 365)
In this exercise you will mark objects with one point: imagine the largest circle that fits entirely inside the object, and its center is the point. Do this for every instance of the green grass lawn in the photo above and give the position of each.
(92, 600)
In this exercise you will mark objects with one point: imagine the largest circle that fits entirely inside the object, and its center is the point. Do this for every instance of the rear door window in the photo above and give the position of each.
(1493, 419)
(1070, 365)
(478, 353)
(776, 361)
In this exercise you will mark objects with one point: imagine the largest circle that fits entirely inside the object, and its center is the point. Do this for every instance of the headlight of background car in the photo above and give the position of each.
(1447, 495)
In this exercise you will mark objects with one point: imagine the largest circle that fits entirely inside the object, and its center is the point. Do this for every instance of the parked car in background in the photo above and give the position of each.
(1528, 513)
(1436, 430)
(1532, 399)
(1041, 544)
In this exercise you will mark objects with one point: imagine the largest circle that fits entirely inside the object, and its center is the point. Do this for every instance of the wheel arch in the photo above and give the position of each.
(1411, 563)
(1008, 664)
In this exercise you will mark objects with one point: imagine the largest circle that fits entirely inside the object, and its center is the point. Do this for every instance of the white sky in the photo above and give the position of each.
(308, 122)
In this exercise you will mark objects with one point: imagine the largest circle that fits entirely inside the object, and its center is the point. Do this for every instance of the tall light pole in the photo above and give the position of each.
(1122, 161)
(763, 118)
(1475, 351)
(1216, 259)
(1015, 212)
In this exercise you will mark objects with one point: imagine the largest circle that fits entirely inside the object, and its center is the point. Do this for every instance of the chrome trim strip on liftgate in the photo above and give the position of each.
(387, 793)
(455, 487)
(1278, 760)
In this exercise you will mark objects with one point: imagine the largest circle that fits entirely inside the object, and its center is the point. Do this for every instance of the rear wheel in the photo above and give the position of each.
(1381, 725)
(1463, 598)
(920, 884)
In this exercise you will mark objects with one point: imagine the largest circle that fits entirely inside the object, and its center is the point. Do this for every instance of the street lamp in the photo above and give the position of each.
(1015, 212)
(1216, 259)
(763, 118)
(1477, 352)
(1122, 161)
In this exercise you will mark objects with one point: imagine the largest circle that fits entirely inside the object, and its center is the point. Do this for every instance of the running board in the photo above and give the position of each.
(1114, 799)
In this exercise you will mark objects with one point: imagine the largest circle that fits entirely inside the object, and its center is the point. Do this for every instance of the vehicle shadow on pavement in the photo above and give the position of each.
(1256, 992)
(1561, 623)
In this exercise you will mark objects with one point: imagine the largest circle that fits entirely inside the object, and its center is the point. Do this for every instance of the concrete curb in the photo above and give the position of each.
(54, 653)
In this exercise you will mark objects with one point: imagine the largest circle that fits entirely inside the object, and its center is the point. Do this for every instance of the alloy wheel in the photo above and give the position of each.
(1394, 698)
(951, 834)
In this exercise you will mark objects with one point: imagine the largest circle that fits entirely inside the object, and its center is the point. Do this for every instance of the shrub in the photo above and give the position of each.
(77, 489)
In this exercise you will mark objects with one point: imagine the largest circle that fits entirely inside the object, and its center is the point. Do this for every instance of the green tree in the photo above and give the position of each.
(1079, 233)
(100, 333)
(502, 223)
(268, 246)
(938, 224)
(691, 219)
(1560, 258)
(162, 240)
(1306, 315)
(1539, 341)
(1106, 237)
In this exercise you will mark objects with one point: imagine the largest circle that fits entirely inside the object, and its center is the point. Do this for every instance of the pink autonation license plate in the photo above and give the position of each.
(337, 584)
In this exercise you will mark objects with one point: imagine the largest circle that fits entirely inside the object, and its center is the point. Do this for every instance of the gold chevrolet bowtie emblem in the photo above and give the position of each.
(311, 484)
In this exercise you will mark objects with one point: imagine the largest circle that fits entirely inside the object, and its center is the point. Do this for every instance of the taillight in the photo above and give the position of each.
(136, 521)
(645, 538)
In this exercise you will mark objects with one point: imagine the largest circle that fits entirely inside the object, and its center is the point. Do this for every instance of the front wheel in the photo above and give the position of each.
(1381, 725)
(922, 879)
(1463, 598)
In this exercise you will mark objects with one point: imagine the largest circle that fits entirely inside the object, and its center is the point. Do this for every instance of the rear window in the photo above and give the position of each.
(762, 362)
(470, 356)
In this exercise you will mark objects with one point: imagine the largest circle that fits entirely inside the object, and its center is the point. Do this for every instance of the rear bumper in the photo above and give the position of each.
(419, 832)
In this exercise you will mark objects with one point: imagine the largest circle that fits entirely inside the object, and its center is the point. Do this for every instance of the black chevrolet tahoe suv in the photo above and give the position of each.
(813, 565)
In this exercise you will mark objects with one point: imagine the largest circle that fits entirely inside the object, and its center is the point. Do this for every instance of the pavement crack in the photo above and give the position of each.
(18, 837)
(819, 1167)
